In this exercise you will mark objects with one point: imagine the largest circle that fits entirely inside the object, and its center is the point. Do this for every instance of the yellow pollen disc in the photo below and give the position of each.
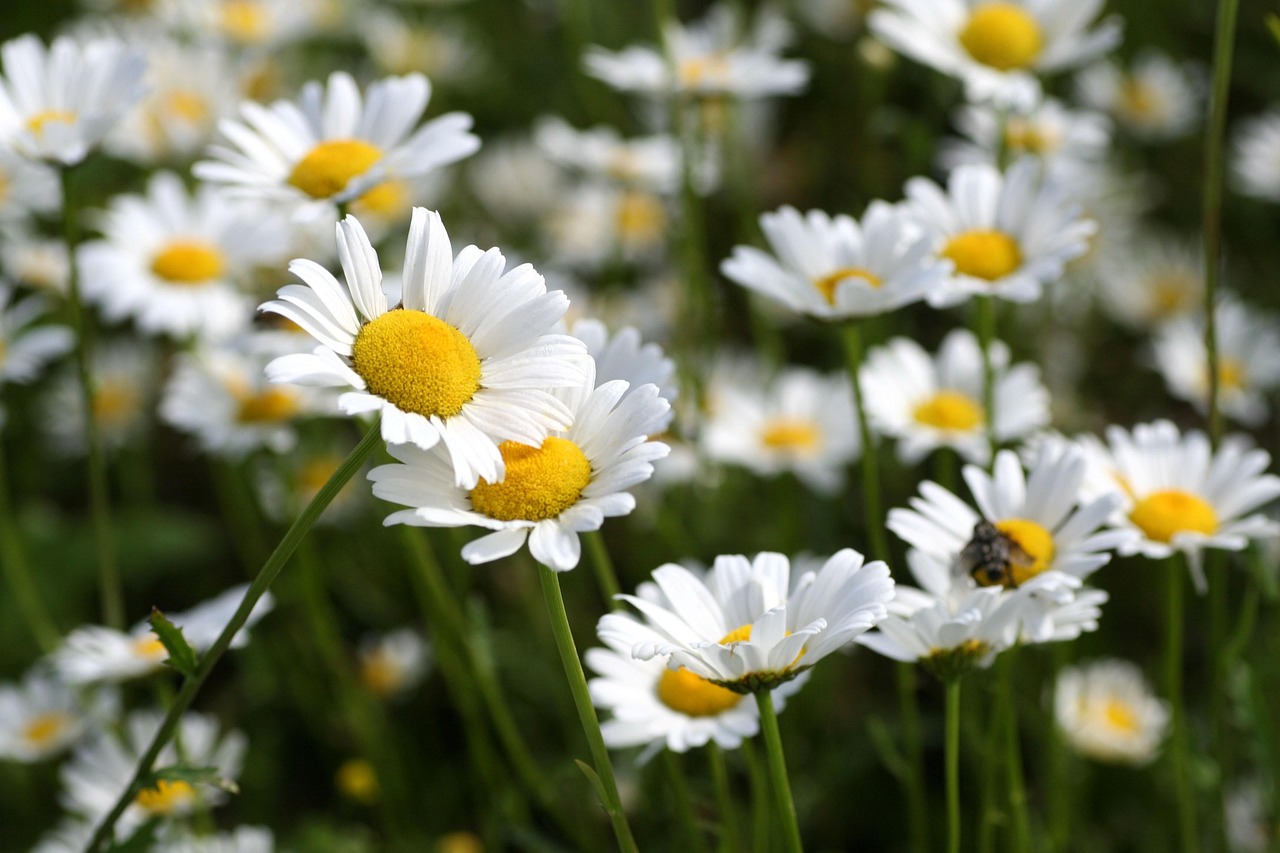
(640, 218)
(798, 436)
(737, 635)
(166, 796)
(1231, 374)
(385, 201)
(243, 20)
(541, 482)
(187, 262)
(950, 410)
(1035, 541)
(36, 124)
(1138, 101)
(827, 284)
(1021, 135)
(1171, 291)
(697, 70)
(694, 696)
(149, 646)
(1118, 715)
(988, 255)
(356, 779)
(327, 168)
(114, 402)
(417, 362)
(379, 673)
(1161, 515)
(269, 406)
(1002, 35)
(43, 728)
(186, 104)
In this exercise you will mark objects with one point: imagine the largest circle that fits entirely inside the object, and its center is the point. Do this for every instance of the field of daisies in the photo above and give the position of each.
(715, 427)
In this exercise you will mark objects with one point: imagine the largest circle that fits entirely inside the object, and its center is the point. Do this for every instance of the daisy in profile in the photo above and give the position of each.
(801, 423)
(26, 347)
(651, 162)
(1156, 99)
(1059, 136)
(1178, 495)
(393, 663)
(174, 262)
(1006, 235)
(929, 402)
(464, 360)
(1253, 167)
(42, 716)
(836, 267)
(94, 653)
(125, 379)
(1107, 711)
(748, 625)
(553, 490)
(997, 47)
(334, 145)
(1248, 360)
(57, 104)
(1150, 280)
(623, 355)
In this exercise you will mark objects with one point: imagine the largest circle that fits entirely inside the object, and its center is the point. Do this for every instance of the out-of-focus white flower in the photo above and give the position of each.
(650, 162)
(1152, 279)
(1253, 164)
(395, 662)
(1059, 136)
(401, 45)
(125, 381)
(1156, 99)
(25, 348)
(1107, 711)
(41, 716)
(27, 188)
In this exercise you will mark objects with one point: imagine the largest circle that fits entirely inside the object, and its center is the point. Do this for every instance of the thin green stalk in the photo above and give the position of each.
(953, 765)
(1220, 730)
(1017, 789)
(682, 801)
(18, 572)
(853, 348)
(990, 813)
(913, 777)
(778, 771)
(550, 582)
(606, 575)
(112, 595)
(761, 826)
(243, 521)
(729, 842)
(191, 686)
(986, 328)
(1214, 155)
(946, 463)
(1179, 744)
(1061, 784)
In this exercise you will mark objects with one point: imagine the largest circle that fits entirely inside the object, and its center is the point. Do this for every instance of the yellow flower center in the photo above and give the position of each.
(114, 402)
(1162, 515)
(1138, 101)
(187, 262)
(44, 728)
(698, 70)
(379, 673)
(1231, 374)
(166, 797)
(149, 646)
(827, 284)
(1035, 541)
(988, 255)
(37, 123)
(640, 218)
(950, 410)
(185, 104)
(738, 635)
(326, 169)
(356, 779)
(541, 482)
(1021, 135)
(269, 406)
(1118, 714)
(387, 200)
(1171, 290)
(1002, 35)
(793, 435)
(243, 20)
(417, 362)
(694, 696)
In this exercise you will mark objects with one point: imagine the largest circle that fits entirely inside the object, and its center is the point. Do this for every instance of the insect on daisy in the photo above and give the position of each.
(464, 360)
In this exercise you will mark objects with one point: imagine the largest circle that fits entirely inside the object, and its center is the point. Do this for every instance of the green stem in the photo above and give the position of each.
(913, 775)
(550, 581)
(986, 326)
(853, 351)
(1220, 730)
(1017, 789)
(953, 765)
(1061, 783)
(778, 771)
(729, 842)
(990, 814)
(761, 826)
(682, 801)
(191, 686)
(112, 595)
(606, 575)
(17, 570)
(1179, 748)
(1215, 141)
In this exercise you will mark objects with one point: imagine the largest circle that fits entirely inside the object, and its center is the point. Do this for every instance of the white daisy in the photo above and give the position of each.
(28, 258)
(1177, 494)
(393, 663)
(124, 387)
(1006, 235)
(802, 422)
(463, 360)
(242, 839)
(25, 347)
(399, 44)
(288, 483)
(1151, 279)
(1107, 711)
(651, 162)
(623, 356)
(1248, 360)
(1250, 829)
(930, 402)
(27, 188)
(1048, 130)
(515, 182)
(747, 626)
(553, 490)
(42, 716)
(57, 104)
(600, 223)
(997, 47)
(94, 653)
(1254, 163)
(173, 261)
(244, 24)
(332, 146)
(96, 775)
(1157, 99)
(836, 267)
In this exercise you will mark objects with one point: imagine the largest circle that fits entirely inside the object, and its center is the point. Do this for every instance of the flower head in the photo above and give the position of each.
(1106, 710)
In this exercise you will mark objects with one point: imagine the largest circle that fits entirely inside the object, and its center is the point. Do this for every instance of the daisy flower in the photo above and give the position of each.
(802, 422)
(242, 839)
(599, 223)
(25, 348)
(1107, 711)
(1254, 163)
(42, 716)
(33, 260)
(94, 653)
(1048, 130)
(553, 490)
(334, 146)
(997, 47)
(288, 483)
(746, 625)
(244, 24)
(463, 360)
(651, 162)
(515, 182)
(930, 402)
(57, 104)
(173, 261)
(398, 44)
(1177, 494)
(124, 387)
(1151, 279)
(393, 663)
(30, 188)
(623, 356)
(1156, 99)
(836, 267)
(1006, 234)
(1248, 360)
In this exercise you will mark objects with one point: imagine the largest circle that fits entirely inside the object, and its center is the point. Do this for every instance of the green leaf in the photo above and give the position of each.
(190, 775)
(181, 656)
(596, 784)
(1273, 24)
